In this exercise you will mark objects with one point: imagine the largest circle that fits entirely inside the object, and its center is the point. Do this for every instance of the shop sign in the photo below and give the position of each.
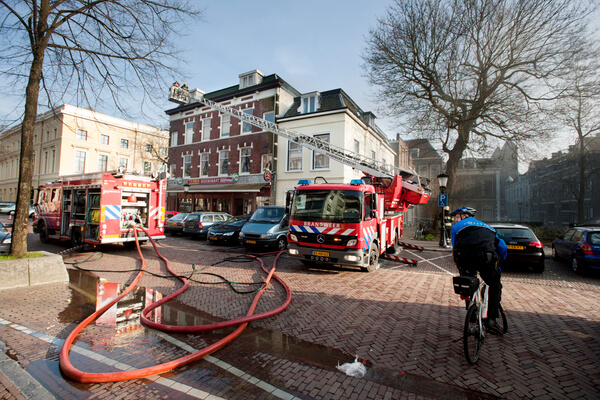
(210, 181)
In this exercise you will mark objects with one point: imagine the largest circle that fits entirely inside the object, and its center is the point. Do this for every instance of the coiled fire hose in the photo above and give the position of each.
(80, 376)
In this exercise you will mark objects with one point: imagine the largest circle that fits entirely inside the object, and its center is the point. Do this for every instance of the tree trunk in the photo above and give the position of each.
(454, 157)
(26, 165)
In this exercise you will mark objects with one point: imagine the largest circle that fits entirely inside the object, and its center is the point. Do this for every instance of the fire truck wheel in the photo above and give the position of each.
(76, 240)
(393, 249)
(43, 232)
(372, 259)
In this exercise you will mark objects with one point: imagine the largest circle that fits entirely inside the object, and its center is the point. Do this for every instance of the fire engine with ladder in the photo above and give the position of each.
(102, 207)
(333, 223)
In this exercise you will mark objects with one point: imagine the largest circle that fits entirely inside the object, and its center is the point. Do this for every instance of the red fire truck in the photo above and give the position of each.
(347, 224)
(100, 208)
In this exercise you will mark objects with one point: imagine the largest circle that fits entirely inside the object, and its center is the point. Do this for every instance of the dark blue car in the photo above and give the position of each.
(580, 246)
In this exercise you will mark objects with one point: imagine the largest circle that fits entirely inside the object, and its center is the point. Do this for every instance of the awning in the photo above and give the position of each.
(227, 188)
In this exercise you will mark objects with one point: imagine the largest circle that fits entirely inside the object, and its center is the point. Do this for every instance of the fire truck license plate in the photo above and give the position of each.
(320, 253)
(513, 247)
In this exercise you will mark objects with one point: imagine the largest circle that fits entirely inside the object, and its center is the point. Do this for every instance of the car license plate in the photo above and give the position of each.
(213, 238)
(513, 247)
(251, 241)
(320, 253)
(190, 226)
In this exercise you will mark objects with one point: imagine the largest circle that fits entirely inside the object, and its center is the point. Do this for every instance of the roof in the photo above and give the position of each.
(337, 100)
(268, 82)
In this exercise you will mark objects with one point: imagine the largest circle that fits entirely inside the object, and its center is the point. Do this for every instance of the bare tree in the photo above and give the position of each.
(578, 109)
(120, 49)
(471, 72)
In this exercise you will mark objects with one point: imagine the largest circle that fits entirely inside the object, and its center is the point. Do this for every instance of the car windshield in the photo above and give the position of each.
(267, 215)
(594, 238)
(327, 205)
(178, 217)
(515, 233)
(236, 221)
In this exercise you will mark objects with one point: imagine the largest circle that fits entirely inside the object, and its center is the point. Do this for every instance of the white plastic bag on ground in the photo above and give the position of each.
(356, 368)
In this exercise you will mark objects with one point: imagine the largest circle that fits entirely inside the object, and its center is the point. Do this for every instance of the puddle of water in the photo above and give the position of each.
(91, 292)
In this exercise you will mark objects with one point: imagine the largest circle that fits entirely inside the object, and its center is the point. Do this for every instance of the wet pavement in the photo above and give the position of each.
(403, 322)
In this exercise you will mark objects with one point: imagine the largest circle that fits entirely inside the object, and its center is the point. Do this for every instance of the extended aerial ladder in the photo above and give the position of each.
(401, 187)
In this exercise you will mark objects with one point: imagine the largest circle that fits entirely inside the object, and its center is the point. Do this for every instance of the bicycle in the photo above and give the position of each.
(475, 293)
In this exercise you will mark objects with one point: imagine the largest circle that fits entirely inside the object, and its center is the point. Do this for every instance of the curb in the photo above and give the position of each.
(22, 380)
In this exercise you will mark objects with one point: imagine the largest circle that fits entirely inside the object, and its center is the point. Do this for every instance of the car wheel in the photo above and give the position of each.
(372, 259)
(43, 230)
(575, 266)
(281, 243)
(554, 253)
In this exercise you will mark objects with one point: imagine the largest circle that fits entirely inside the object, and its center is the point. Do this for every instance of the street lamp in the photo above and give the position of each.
(443, 202)
(186, 189)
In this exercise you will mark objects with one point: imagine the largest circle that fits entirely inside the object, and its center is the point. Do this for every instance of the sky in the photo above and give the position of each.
(313, 45)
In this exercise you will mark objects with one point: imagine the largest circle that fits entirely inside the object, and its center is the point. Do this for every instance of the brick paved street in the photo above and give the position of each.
(405, 322)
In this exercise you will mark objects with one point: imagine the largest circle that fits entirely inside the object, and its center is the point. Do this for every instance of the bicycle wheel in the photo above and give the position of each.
(502, 322)
(472, 335)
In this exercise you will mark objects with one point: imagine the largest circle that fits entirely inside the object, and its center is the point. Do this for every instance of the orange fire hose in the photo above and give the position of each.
(80, 376)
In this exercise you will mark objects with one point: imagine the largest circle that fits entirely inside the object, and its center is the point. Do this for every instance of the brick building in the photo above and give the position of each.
(218, 160)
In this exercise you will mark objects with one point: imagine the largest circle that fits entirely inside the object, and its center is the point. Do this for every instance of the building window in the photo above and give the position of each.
(103, 139)
(124, 143)
(102, 162)
(423, 171)
(172, 169)
(81, 135)
(55, 133)
(309, 103)
(269, 116)
(320, 160)
(45, 162)
(47, 135)
(206, 128)
(147, 167)
(148, 148)
(356, 146)
(204, 164)
(189, 133)
(79, 167)
(246, 127)
(123, 162)
(245, 160)
(53, 160)
(224, 162)
(294, 156)
(187, 166)
(173, 138)
(225, 125)
(163, 151)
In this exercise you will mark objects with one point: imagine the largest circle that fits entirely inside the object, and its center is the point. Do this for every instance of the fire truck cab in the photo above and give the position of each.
(100, 208)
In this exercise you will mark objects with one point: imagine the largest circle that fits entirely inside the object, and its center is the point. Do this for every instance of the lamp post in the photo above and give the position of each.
(443, 202)
(186, 189)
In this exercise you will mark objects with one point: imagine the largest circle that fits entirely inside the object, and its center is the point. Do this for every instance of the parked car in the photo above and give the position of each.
(30, 215)
(580, 246)
(197, 223)
(268, 227)
(5, 239)
(227, 232)
(171, 214)
(174, 225)
(524, 249)
(7, 207)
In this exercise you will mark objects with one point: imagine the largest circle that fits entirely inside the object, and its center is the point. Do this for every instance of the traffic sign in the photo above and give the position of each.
(442, 200)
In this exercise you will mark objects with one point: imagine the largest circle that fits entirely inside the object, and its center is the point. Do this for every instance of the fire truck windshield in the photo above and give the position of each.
(327, 205)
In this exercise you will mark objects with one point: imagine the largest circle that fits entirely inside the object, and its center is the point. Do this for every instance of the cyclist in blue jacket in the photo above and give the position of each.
(476, 247)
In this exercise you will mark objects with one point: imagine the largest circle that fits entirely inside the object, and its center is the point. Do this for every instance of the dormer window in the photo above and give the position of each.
(310, 103)
(250, 78)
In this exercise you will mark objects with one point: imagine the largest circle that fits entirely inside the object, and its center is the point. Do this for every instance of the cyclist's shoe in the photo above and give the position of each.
(492, 327)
